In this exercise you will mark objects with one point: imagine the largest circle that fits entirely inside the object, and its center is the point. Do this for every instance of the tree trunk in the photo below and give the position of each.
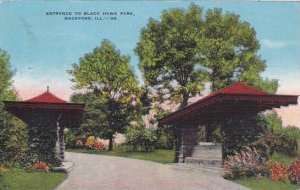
(185, 98)
(110, 146)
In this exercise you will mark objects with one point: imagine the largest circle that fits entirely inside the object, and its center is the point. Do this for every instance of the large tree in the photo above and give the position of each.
(112, 89)
(228, 48)
(167, 52)
(186, 48)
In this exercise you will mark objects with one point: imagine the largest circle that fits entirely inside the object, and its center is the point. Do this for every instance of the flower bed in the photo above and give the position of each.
(91, 143)
(294, 172)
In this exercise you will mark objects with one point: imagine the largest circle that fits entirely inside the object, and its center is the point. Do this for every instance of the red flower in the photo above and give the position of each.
(41, 166)
(278, 172)
(294, 172)
(99, 145)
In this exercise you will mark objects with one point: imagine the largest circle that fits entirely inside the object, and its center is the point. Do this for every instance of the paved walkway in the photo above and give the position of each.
(93, 172)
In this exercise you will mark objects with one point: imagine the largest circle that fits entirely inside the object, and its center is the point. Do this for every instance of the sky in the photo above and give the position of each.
(43, 47)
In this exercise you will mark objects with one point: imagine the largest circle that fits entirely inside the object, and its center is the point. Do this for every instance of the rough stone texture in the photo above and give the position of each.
(189, 139)
(93, 172)
(61, 139)
(206, 154)
(208, 150)
(60, 143)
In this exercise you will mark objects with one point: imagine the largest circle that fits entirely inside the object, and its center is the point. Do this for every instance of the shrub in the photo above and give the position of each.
(13, 140)
(99, 145)
(41, 166)
(240, 131)
(165, 137)
(294, 172)
(79, 144)
(70, 139)
(270, 142)
(90, 141)
(278, 172)
(141, 139)
(247, 163)
(3, 168)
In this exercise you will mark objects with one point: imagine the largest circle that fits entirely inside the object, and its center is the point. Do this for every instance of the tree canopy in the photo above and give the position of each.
(186, 48)
(167, 51)
(228, 48)
(112, 90)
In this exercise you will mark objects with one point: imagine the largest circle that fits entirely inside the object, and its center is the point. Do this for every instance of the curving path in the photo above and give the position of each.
(93, 172)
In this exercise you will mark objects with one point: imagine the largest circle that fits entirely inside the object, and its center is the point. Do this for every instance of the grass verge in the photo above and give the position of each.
(265, 184)
(19, 179)
(160, 156)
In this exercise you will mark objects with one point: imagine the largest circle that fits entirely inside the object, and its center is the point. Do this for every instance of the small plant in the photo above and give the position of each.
(99, 145)
(294, 172)
(271, 142)
(41, 166)
(79, 144)
(90, 141)
(247, 162)
(278, 171)
(3, 168)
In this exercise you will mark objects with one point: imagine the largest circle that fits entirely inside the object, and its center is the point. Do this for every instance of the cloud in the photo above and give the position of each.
(276, 43)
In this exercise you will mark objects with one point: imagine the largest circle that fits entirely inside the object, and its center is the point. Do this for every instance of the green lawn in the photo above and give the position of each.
(161, 156)
(265, 184)
(18, 179)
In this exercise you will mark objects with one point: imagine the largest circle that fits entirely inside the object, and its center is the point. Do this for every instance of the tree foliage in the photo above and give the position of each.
(241, 131)
(141, 139)
(186, 48)
(167, 51)
(228, 48)
(112, 90)
(13, 132)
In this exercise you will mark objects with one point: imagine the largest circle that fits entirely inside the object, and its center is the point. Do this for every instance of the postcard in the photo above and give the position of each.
(149, 95)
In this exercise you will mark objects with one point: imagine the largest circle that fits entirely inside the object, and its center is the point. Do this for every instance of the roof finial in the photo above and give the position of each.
(47, 88)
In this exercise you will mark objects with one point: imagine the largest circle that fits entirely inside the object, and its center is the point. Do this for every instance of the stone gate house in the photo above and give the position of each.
(237, 100)
(47, 116)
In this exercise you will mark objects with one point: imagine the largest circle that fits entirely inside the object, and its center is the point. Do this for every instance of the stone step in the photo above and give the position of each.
(209, 170)
(200, 147)
(209, 144)
(204, 162)
(207, 150)
(206, 155)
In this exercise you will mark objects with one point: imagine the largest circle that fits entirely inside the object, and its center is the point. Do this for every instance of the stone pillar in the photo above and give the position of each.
(43, 136)
(189, 139)
(60, 143)
(209, 133)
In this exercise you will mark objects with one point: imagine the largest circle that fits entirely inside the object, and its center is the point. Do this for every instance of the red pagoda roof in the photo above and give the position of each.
(46, 103)
(235, 99)
(240, 88)
(46, 97)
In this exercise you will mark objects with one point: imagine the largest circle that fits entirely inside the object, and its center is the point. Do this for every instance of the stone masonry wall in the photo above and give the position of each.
(189, 139)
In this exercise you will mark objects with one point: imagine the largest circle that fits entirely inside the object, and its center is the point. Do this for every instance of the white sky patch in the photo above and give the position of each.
(277, 43)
